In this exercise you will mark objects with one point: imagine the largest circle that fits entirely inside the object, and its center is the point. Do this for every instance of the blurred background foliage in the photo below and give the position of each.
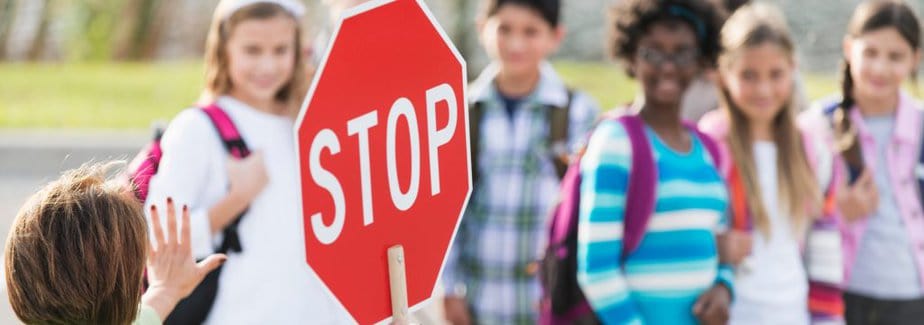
(122, 63)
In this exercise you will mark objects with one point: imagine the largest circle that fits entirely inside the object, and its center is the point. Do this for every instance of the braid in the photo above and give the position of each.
(845, 133)
(847, 88)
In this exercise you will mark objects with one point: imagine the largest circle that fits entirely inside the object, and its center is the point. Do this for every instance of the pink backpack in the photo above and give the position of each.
(146, 162)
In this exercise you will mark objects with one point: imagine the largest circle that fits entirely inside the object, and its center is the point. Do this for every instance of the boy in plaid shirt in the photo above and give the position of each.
(525, 124)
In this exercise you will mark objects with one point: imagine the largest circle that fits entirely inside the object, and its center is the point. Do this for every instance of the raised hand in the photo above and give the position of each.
(171, 269)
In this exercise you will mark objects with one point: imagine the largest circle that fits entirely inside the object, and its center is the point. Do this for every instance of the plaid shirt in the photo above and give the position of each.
(503, 229)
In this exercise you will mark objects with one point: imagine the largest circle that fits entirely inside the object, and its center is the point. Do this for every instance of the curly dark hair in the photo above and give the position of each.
(629, 20)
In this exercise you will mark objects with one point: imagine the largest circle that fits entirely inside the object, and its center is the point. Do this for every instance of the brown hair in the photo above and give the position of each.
(218, 78)
(870, 16)
(76, 252)
(751, 26)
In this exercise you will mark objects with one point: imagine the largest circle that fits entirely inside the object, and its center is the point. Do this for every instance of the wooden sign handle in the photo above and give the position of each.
(398, 284)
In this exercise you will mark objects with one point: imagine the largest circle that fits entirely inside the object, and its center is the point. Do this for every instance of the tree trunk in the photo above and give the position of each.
(37, 50)
(162, 15)
(130, 17)
(465, 32)
(136, 32)
(6, 16)
(25, 22)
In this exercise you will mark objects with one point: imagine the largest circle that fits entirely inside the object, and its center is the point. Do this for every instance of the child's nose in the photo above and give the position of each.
(879, 66)
(268, 63)
(517, 44)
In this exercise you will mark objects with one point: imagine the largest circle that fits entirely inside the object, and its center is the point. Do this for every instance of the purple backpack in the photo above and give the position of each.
(144, 166)
(563, 301)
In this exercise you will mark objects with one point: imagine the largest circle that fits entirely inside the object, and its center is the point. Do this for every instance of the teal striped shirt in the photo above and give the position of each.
(676, 260)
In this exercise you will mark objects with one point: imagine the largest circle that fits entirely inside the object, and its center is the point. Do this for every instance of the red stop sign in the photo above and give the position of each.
(383, 155)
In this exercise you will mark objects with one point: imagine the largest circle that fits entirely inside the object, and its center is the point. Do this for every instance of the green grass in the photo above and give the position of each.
(111, 96)
(608, 83)
(131, 95)
(820, 86)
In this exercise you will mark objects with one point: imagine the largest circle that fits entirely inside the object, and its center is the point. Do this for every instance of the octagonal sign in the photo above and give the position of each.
(383, 155)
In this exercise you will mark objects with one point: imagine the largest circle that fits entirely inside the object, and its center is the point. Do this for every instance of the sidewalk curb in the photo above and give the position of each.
(44, 152)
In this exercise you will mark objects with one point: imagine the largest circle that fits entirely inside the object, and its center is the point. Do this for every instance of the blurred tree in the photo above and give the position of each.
(140, 24)
(6, 18)
(184, 37)
(463, 27)
(92, 35)
(25, 19)
(39, 41)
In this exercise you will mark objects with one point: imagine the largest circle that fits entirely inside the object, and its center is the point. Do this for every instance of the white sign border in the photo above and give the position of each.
(349, 13)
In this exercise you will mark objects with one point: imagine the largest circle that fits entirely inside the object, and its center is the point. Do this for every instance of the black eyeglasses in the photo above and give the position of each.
(682, 59)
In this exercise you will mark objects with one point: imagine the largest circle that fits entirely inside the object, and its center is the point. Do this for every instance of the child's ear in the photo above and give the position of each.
(629, 65)
(846, 45)
(479, 28)
(720, 79)
(559, 34)
(917, 60)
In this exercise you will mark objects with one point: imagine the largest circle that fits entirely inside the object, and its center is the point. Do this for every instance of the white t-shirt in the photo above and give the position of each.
(771, 285)
(269, 282)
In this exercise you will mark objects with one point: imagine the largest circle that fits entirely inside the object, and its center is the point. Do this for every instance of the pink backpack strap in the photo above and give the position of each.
(715, 125)
(235, 145)
(643, 179)
(640, 192)
(824, 295)
(712, 148)
(811, 155)
(230, 137)
(809, 148)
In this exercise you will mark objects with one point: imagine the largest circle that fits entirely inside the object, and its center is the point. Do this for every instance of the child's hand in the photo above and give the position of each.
(859, 200)
(247, 177)
(734, 246)
(456, 310)
(172, 271)
(712, 307)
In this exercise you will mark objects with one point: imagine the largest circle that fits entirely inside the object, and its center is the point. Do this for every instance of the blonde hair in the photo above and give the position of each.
(218, 78)
(76, 252)
(749, 27)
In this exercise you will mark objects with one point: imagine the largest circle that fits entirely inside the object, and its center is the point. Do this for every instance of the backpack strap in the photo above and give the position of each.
(919, 167)
(640, 193)
(741, 214)
(741, 218)
(829, 108)
(228, 133)
(558, 135)
(712, 148)
(716, 123)
(829, 203)
(918, 171)
(475, 113)
(564, 222)
(557, 142)
(237, 148)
